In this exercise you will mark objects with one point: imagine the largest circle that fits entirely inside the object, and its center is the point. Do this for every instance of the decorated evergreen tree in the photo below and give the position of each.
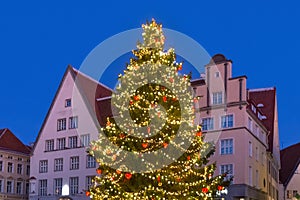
(151, 149)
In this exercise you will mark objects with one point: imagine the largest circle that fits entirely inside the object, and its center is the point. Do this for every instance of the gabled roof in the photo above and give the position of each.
(290, 159)
(9, 142)
(267, 97)
(91, 90)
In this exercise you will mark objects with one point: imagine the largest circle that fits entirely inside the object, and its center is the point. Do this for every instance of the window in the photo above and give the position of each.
(27, 188)
(253, 108)
(90, 161)
(9, 167)
(256, 179)
(68, 103)
(49, 145)
(226, 146)
(1, 185)
(250, 124)
(256, 131)
(227, 121)
(1, 166)
(89, 182)
(73, 122)
(250, 149)
(250, 176)
(74, 162)
(228, 170)
(20, 159)
(19, 168)
(256, 153)
(207, 124)
(217, 98)
(43, 187)
(10, 157)
(58, 164)
(217, 74)
(28, 170)
(61, 143)
(61, 124)
(73, 142)
(9, 187)
(85, 140)
(57, 186)
(43, 166)
(19, 187)
(74, 185)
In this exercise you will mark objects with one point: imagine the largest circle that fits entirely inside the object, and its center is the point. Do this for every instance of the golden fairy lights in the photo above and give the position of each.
(161, 106)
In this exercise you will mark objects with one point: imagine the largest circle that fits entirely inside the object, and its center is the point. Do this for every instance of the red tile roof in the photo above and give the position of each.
(94, 90)
(266, 96)
(290, 159)
(9, 142)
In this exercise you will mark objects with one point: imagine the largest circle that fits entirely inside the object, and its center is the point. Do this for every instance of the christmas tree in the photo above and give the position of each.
(152, 149)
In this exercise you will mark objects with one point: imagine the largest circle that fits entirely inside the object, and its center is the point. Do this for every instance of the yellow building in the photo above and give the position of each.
(14, 167)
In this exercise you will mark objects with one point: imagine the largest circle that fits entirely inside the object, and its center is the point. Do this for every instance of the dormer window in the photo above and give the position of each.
(253, 108)
(68, 103)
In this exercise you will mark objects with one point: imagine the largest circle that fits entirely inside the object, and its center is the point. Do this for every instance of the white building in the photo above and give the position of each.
(290, 172)
(60, 164)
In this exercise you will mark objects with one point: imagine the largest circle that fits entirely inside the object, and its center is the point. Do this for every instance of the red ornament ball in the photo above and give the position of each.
(205, 190)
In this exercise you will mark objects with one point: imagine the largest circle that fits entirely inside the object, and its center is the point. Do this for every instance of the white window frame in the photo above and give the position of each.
(19, 168)
(73, 122)
(73, 142)
(250, 176)
(227, 125)
(90, 161)
(1, 185)
(74, 185)
(88, 182)
(61, 124)
(58, 164)
(57, 186)
(61, 143)
(209, 125)
(227, 147)
(217, 98)
(85, 140)
(49, 145)
(43, 166)
(250, 149)
(10, 189)
(19, 188)
(229, 173)
(42, 190)
(68, 103)
(10, 167)
(74, 162)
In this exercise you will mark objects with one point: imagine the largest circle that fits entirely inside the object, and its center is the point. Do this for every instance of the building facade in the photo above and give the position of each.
(235, 119)
(290, 172)
(242, 123)
(59, 160)
(14, 167)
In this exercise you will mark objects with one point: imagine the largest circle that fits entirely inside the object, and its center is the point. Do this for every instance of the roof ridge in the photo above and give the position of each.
(262, 89)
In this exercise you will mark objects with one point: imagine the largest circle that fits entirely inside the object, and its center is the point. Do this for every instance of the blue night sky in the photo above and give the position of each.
(38, 39)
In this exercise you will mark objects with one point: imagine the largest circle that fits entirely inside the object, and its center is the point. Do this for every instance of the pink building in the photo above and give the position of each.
(243, 125)
(60, 164)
